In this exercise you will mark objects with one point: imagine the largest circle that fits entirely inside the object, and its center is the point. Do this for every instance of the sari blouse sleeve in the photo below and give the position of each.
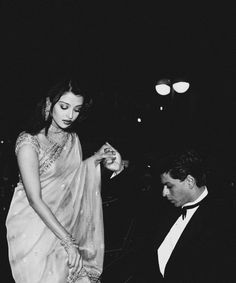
(25, 138)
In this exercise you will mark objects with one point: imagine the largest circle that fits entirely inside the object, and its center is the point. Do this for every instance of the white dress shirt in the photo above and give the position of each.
(167, 246)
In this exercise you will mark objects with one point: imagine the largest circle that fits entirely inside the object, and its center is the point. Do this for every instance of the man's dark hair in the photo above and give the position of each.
(188, 162)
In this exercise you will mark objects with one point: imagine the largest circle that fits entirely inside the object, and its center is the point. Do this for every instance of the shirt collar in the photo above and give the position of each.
(201, 197)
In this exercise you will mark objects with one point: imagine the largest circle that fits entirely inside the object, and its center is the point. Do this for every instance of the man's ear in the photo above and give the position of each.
(190, 181)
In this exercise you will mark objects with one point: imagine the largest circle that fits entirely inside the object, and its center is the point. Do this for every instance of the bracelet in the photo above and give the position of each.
(68, 242)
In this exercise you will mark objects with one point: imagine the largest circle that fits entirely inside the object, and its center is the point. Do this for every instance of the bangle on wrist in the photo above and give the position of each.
(68, 242)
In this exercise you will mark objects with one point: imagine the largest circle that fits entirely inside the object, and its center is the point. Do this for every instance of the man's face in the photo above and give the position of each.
(177, 192)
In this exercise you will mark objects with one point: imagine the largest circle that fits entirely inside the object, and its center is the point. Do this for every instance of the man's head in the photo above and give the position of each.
(183, 177)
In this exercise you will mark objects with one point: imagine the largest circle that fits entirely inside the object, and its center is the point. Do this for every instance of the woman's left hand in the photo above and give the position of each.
(110, 156)
(115, 163)
(104, 153)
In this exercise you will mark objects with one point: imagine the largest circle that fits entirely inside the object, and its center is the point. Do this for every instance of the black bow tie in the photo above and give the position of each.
(185, 208)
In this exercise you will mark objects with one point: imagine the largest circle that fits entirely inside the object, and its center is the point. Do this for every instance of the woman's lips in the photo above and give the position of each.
(67, 122)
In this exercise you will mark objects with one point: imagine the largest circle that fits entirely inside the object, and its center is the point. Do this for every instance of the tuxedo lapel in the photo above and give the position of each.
(188, 243)
(165, 224)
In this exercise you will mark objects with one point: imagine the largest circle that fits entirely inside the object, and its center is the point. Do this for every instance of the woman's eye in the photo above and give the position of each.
(64, 107)
(77, 110)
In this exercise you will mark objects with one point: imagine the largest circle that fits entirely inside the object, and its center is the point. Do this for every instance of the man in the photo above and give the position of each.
(195, 242)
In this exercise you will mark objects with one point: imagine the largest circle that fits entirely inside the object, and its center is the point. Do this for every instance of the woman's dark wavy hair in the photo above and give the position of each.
(39, 121)
(189, 162)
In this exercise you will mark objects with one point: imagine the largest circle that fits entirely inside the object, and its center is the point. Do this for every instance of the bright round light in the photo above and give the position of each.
(162, 89)
(181, 87)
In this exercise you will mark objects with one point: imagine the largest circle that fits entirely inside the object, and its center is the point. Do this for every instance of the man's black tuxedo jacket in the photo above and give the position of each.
(205, 251)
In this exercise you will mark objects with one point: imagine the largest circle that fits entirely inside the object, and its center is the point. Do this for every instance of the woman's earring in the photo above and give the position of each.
(47, 108)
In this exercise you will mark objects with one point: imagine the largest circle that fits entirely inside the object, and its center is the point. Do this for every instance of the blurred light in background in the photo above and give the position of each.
(165, 86)
(181, 87)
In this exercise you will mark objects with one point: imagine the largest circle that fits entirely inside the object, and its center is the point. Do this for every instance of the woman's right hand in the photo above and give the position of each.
(74, 258)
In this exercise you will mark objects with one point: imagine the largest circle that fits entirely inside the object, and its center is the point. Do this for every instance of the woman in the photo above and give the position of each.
(54, 224)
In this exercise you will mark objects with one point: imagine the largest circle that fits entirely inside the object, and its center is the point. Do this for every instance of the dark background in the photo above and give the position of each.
(118, 51)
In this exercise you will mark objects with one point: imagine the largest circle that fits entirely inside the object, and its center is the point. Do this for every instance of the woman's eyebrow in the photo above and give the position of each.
(79, 105)
(64, 102)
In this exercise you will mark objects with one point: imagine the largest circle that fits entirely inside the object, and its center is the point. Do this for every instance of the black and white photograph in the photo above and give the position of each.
(117, 142)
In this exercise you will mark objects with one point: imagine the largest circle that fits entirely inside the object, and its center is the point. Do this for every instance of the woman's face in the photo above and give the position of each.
(66, 110)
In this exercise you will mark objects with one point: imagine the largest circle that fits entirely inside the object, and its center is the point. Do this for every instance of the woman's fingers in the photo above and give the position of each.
(70, 262)
(80, 262)
(110, 146)
(72, 256)
(76, 265)
(80, 265)
(107, 153)
(106, 148)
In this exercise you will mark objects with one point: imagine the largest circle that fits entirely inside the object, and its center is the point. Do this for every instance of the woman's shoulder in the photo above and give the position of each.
(26, 138)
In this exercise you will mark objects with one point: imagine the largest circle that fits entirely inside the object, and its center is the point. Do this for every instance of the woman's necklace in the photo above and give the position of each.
(56, 135)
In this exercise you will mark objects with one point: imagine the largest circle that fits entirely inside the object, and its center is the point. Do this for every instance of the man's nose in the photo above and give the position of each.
(165, 191)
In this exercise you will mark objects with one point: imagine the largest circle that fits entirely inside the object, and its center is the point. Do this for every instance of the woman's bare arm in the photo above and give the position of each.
(29, 169)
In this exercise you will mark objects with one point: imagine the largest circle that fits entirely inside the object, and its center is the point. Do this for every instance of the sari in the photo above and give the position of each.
(71, 189)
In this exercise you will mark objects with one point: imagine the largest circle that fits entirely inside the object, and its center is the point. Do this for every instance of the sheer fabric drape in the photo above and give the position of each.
(71, 189)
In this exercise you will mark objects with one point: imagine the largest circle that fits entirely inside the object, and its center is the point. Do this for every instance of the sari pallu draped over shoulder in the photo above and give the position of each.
(71, 189)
